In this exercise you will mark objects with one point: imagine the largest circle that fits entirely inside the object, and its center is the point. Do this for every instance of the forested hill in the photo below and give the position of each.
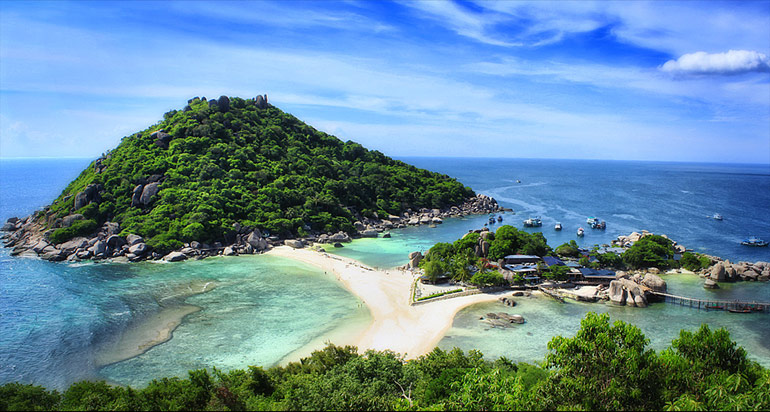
(219, 162)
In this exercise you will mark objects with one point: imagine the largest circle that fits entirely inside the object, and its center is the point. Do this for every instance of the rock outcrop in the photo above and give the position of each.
(261, 102)
(295, 243)
(635, 291)
(414, 260)
(88, 195)
(148, 192)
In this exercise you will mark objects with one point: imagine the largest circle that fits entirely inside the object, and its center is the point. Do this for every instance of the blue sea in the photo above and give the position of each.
(62, 322)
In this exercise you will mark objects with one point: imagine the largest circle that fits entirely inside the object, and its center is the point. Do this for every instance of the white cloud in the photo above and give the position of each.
(731, 62)
(463, 22)
(671, 27)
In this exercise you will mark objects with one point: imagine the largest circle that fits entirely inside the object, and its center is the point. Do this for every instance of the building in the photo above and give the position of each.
(596, 275)
(521, 259)
(552, 261)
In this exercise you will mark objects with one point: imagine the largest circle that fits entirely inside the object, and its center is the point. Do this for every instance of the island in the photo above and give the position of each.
(233, 176)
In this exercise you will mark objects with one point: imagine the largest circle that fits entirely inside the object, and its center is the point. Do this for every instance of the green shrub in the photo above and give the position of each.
(78, 228)
(649, 251)
(164, 243)
(19, 397)
(487, 278)
(568, 249)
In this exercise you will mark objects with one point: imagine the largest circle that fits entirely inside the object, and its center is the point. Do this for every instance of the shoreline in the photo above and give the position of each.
(396, 325)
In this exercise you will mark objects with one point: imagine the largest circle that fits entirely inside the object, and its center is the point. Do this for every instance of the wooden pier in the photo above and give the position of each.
(711, 304)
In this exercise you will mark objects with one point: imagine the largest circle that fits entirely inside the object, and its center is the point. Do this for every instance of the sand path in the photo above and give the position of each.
(409, 330)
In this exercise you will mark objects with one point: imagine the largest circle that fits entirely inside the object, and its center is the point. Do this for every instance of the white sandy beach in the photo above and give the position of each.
(409, 330)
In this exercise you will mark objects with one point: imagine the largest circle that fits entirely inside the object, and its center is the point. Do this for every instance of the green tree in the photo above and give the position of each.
(604, 367)
(649, 251)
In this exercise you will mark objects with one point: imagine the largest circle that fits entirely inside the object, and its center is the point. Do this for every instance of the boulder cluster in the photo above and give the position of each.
(636, 290)
(372, 227)
(27, 238)
(502, 319)
(30, 236)
(724, 271)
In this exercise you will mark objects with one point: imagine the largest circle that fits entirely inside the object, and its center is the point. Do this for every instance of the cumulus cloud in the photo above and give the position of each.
(731, 62)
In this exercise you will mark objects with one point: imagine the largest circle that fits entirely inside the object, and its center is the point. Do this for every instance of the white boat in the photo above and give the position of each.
(754, 241)
(580, 232)
(557, 226)
(533, 222)
(717, 216)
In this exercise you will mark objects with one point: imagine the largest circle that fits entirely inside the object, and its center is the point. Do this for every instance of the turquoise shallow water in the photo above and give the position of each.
(58, 318)
(546, 318)
(262, 309)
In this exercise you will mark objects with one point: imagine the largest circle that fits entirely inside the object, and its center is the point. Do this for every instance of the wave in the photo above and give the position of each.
(626, 216)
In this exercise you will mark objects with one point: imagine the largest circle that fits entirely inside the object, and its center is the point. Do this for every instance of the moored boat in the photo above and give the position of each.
(739, 310)
(594, 223)
(499, 218)
(714, 306)
(754, 241)
(580, 232)
(533, 222)
(557, 226)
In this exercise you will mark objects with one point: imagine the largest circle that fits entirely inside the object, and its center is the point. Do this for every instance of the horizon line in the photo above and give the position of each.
(3, 159)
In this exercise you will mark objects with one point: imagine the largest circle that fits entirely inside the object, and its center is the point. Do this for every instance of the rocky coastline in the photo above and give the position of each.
(30, 236)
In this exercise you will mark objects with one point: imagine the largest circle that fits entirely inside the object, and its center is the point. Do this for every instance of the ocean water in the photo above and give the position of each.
(676, 199)
(59, 322)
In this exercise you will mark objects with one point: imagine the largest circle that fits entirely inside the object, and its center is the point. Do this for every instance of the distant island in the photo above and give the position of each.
(229, 176)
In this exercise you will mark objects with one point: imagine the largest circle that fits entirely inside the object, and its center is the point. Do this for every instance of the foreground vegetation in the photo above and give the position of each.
(604, 367)
(233, 160)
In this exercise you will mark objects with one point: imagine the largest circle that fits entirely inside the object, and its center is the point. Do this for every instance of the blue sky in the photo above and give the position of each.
(674, 81)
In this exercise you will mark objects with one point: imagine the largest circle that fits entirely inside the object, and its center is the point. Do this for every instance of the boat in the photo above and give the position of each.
(739, 310)
(714, 306)
(533, 222)
(580, 232)
(557, 226)
(491, 220)
(594, 223)
(518, 181)
(754, 241)
(717, 216)
(499, 218)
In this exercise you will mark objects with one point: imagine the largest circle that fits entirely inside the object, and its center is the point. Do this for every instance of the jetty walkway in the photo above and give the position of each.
(711, 304)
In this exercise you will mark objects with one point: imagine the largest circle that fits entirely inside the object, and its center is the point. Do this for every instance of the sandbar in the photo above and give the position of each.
(155, 329)
(396, 325)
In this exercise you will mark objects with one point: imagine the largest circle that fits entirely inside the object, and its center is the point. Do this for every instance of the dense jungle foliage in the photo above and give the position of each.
(604, 367)
(233, 161)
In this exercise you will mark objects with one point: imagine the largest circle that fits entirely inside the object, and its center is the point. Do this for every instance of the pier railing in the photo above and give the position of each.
(711, 304)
